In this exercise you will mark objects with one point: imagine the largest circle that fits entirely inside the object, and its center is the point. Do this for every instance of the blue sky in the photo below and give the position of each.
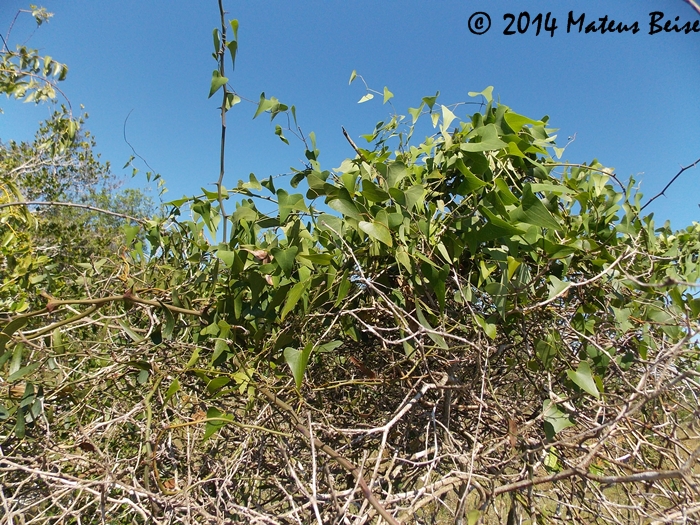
(630, 100)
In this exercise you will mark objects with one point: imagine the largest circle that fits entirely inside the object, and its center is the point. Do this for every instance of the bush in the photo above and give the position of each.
(462, 330)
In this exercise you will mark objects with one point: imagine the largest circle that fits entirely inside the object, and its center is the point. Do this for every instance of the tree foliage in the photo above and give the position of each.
(460, 329)
(60, 177)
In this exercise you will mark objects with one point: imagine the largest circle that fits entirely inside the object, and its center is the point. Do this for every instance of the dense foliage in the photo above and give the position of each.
(458, 329)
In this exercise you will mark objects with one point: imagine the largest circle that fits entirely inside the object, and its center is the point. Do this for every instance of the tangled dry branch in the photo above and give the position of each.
(435, 436)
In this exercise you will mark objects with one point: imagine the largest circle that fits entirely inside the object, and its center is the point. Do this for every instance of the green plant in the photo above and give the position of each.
(462, 325)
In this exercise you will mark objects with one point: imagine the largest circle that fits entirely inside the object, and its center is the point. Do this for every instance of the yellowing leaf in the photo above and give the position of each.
(387, 95)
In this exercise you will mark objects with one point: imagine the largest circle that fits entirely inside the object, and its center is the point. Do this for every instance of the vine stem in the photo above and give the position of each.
(219, 184)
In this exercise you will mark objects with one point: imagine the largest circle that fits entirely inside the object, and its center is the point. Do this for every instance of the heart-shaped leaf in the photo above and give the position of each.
(297, 361)
(583, 378)
(377, 231)
(216, 82)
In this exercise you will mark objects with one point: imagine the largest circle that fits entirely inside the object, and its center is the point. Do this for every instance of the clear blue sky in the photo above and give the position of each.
(631, 100)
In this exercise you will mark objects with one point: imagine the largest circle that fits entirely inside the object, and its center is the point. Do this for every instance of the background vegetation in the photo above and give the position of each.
(458, 329)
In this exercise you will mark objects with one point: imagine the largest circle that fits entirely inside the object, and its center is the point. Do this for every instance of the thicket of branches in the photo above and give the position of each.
(462, 329)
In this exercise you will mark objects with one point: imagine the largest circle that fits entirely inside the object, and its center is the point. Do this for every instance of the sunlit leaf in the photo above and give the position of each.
(293, 297)
(555, 420)
(297, 361)
(583, 378)
(387, 95)
(377, 231)
(216, 82)
(215, 421)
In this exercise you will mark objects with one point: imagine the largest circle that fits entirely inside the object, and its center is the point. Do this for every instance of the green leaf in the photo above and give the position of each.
(447, 118)
(136, 338)
(353, 76)
(252, 183)
(437, 338)
(227, 256)
(231, 100)
(403, 258)
(489, 329)
(289, 203)
(57, 340)
(396, 172)
(232, 47)
(285, 259)
(372, 192)
(533, 211)
(293, 297)
(323, 259)
(23, 372)
(551, 461)
(173, 389)
(217, 384)
(220, 346)
(555, 420)
(516, 122)
(556, 286)
(297, 361)
(9, 329)
(377, 231)
(415, 196)
(263, 105)
(387, 95)
(430, 101)
(583, 378)
(20, 425)
(245, 213)
(278, 132)
(142, 377)
(486, 93)
(368, 96)
(343, 288)
(330, 222)
(329, 346)
(471, 182)
(546, 352)
(217, 41)
(234, 27)
(193, 358)
(346, 207)
(216, 82)
(216, 420)
(495, 228)
(505, 194)
(490, 140)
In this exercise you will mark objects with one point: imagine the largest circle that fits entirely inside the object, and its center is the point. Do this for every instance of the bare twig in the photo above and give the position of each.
(75, 205)
(663, 192)
(371, 498)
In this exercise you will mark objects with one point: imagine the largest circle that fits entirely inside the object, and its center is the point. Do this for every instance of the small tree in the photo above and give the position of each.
(59, 177)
